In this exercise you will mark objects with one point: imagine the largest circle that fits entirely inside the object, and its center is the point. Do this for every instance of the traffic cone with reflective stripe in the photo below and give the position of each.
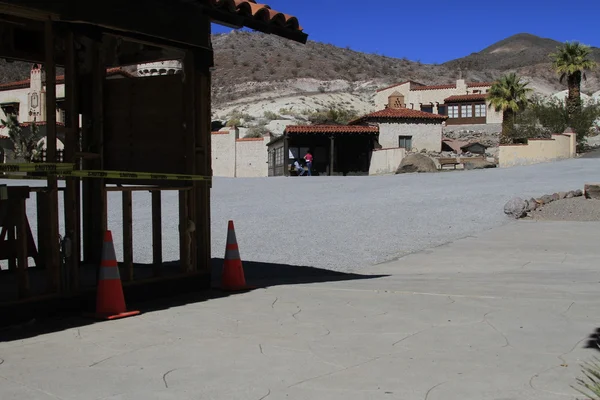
(110, 302)
(233, 271)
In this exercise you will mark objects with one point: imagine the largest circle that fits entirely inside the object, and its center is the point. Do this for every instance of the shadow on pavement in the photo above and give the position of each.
(593, 341)
(258, 275)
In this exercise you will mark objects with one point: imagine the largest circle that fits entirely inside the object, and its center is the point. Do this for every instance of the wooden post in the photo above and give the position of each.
(203, 163)
(94, 202)
(53, 254)
(12, 262)
(184, 239)
(193, 147)
(128, 235)
(286, 155)
(156, 232)
(42, 227)
(72, 185)
(331, 155)
(22, 265)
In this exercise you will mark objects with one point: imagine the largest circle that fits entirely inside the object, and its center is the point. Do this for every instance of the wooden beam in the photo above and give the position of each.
(184, 240)
(331, 155)
(22, 265)
(191, 144)
(157, 257)
(94, 193)
(72, 185)
(202, 162)
(286, 157)
(53, 254)
(128, 235)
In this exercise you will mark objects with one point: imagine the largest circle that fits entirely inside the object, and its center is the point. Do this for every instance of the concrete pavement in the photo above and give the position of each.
(504, 315)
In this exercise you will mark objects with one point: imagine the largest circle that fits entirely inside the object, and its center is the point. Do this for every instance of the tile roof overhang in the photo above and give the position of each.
(466, 97)
(400, 114)
(257, 16)
(330, 129)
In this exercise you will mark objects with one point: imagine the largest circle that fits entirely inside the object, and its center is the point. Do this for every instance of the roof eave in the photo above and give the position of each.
(231, 20)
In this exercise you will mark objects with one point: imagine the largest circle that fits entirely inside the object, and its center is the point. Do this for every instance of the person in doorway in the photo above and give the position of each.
(309, 160)
(299, 170)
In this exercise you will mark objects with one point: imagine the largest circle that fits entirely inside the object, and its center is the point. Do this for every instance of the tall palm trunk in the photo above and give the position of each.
(574, 97)
(508, 124)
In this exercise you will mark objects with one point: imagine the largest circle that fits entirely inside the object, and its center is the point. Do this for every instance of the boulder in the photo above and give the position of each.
(578, 193)
(416, 163)
(570, 195)
(592, 191)
(479, 164)
(516, 208)
(562, 195)
(555, 197)
(545, 199)
(532, 205)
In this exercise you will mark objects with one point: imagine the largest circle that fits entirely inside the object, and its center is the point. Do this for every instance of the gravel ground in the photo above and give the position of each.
(574, 209)
(350, 223)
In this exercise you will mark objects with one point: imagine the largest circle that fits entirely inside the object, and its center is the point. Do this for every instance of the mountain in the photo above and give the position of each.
(255, 72)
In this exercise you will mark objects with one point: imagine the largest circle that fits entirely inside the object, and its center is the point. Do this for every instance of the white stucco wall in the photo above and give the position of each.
(223, 152)
(425, 135)
(538, 150)
(492, 116)
(386, 161)
(381, 98)
(251, 157)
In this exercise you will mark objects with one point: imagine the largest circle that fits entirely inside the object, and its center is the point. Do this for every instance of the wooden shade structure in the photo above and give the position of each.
(115, 125)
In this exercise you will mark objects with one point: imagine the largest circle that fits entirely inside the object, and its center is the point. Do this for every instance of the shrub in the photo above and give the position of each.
(589, 385)
(270, 115)
(233, 122)
(333, 115)
(256, 131)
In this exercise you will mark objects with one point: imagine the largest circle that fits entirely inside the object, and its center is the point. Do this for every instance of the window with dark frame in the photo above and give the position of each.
(480, 110)
(10, 108)
(405, 142)
(466, 111)
(452, 111)
(441, 110)
(427, 109)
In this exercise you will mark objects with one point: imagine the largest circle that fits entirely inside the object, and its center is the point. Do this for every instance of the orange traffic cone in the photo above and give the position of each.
(233, 271)
(110, 302)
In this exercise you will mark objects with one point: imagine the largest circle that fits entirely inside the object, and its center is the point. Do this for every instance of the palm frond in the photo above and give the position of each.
(589, 384)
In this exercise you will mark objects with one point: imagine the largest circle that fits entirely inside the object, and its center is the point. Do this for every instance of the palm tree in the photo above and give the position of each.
(571, 60)
(509, 96)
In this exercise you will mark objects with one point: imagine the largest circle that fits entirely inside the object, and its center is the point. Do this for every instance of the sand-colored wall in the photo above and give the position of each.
(251, 158)
(386, 161)
(223, 152)
(233, 156)
(561, 146)
(425, 135)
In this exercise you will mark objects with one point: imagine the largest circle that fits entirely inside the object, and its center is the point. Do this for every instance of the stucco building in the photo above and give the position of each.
(464, 103)
(27, 100)
(237, 157)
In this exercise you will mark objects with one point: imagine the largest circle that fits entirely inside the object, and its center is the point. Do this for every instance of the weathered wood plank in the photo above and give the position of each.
(22, 263)
(128, 235)
(157, 257)
(53, 255)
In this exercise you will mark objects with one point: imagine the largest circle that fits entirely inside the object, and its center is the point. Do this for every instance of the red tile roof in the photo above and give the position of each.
(466, 97)
(400, 113)
(257, 16)
(435, 87)
(398, 84)
(330, 129)
(479, 84)
(59, 79)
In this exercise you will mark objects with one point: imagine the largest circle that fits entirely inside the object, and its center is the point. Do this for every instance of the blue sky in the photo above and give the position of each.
(437, 30)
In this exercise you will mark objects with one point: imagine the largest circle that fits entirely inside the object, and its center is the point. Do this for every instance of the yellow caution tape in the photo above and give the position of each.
(36, 167)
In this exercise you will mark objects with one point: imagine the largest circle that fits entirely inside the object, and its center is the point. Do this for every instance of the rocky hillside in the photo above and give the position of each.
(257, 73)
